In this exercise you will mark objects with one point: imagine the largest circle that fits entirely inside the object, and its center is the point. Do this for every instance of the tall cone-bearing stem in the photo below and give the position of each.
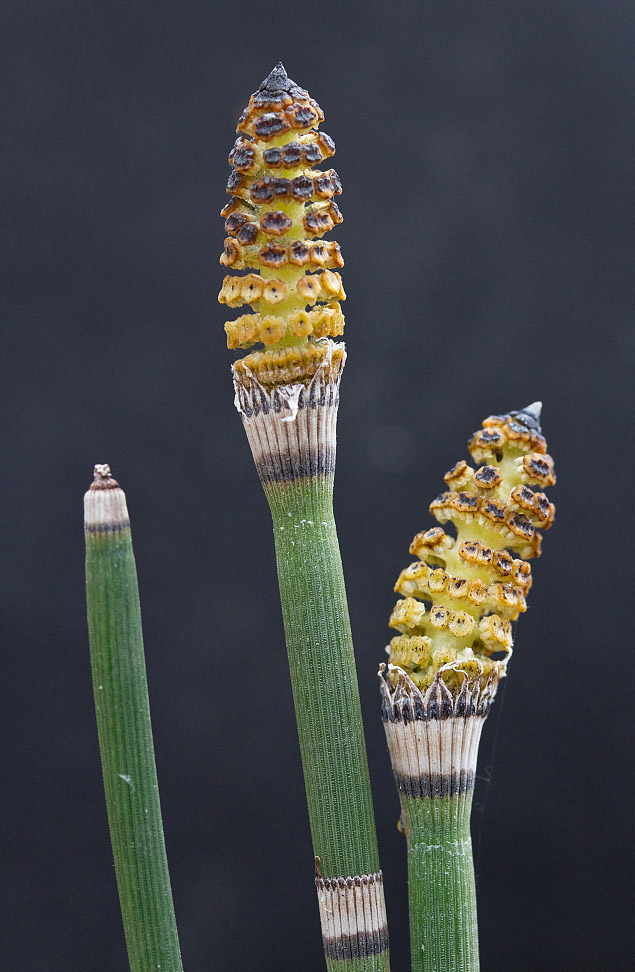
(287, 395)
(459, 599)
(125, 731)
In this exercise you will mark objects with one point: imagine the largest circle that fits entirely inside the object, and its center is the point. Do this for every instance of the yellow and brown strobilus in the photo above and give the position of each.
(461, 595)
(280, 208)
(458, 600)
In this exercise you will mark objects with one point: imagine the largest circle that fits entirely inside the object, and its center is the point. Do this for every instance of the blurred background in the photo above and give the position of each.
(487, 156)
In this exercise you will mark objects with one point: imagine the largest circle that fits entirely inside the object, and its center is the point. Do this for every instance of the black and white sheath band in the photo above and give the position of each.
(292, 428)
(432, 737)
(105, 509)
(353, 916)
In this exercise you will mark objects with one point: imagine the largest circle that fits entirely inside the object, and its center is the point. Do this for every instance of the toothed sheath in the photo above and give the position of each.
(455, 640)
(288, 396)
(125, 731)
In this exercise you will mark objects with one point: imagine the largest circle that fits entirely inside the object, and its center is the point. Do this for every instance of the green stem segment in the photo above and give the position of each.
(125, 732)
(327, 705)
(442, 892)
(323, 677)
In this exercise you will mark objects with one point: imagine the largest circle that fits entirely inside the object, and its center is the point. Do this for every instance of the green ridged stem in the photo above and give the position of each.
(325, 689)
(359, 964)
(127, 753)
(441, 886)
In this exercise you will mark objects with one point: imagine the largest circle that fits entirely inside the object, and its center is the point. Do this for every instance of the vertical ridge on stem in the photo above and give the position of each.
(125, 731)
(292, 433)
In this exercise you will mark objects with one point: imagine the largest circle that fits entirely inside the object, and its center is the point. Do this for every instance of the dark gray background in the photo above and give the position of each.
(486, 151)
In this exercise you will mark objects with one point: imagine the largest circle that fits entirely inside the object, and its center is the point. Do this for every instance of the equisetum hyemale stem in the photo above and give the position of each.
(288, 395)
(458, 601)
(125, 732)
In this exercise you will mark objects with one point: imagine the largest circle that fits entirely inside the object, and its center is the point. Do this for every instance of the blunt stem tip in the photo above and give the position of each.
(105, 506)
(102, 477)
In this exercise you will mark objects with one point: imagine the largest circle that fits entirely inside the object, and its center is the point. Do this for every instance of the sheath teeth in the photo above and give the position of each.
(280, 207)
(459, 599)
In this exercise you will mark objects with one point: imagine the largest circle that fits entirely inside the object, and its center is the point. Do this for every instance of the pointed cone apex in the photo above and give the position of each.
(277, 80)
(278, 84)
(534, 409)
(530, 416)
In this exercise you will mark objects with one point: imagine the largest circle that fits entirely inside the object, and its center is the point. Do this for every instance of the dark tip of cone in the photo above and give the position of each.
(530, 416)
(534, 409)
(278, 82)
(277, 79)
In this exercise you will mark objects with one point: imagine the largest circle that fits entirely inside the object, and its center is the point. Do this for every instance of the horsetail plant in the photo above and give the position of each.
(287, 396)
(459, 599)
(125, 731)
(454, 618)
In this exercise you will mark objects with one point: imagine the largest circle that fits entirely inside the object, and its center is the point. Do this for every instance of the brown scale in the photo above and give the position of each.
(279, 209)
(460, 597)
(311, 187)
